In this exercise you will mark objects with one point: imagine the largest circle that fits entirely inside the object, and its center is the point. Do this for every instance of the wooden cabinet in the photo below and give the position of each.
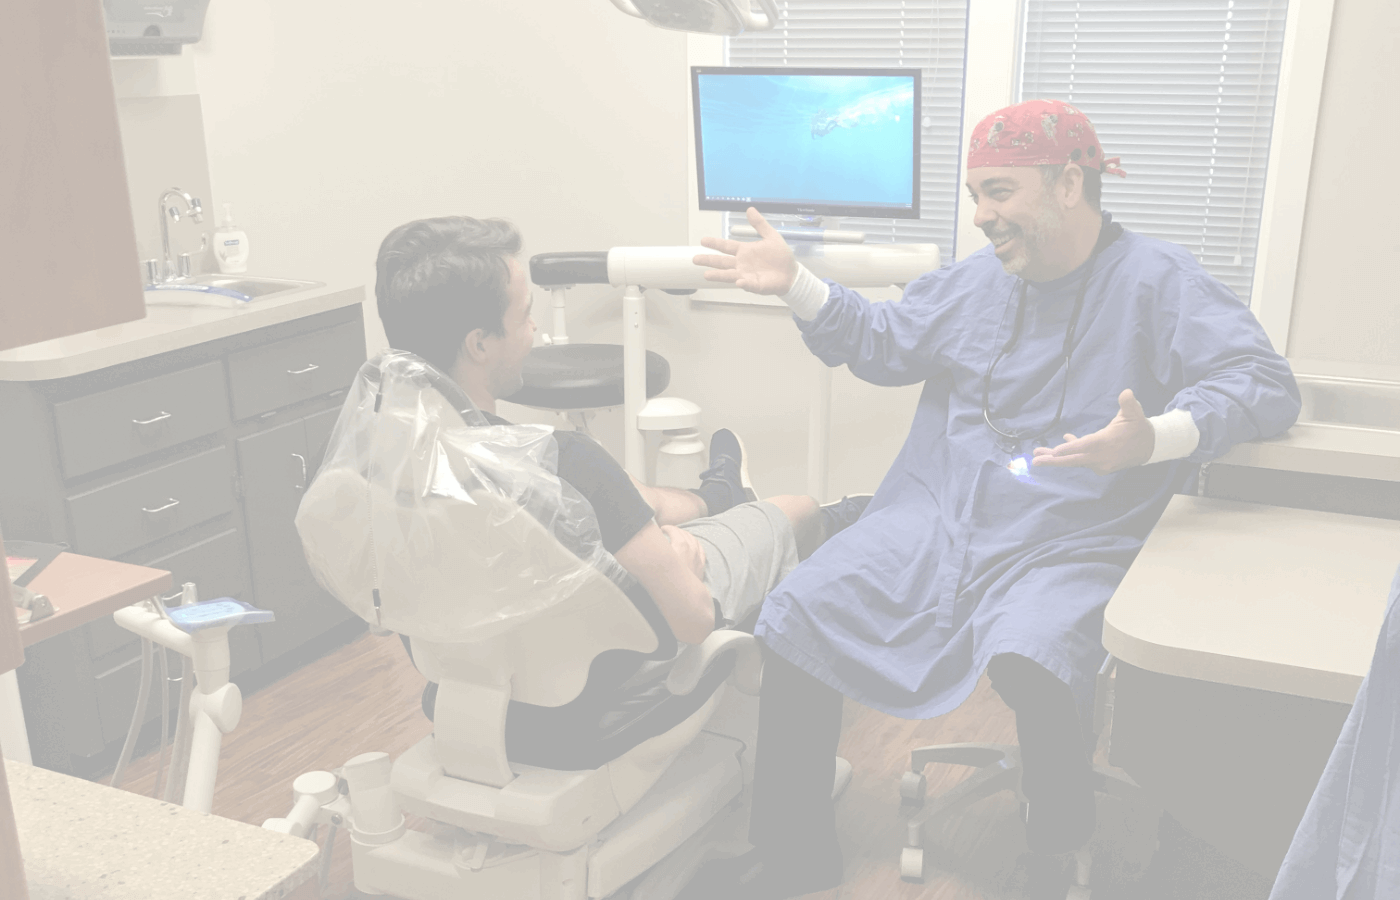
(276, 466)
(192, 461)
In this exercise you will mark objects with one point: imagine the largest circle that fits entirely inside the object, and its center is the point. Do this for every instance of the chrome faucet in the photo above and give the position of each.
(168, 271)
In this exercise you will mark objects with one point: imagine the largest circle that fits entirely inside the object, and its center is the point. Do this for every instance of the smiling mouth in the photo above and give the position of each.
(999, 242)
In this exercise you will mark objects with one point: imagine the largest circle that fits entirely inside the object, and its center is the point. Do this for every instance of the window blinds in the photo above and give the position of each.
(1183, 91)
(928, 34)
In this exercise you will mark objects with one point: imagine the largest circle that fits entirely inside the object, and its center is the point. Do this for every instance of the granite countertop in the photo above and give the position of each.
(87, 841)
(164, 328)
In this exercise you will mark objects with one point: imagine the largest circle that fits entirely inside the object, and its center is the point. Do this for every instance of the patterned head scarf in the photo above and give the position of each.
(1038, 133)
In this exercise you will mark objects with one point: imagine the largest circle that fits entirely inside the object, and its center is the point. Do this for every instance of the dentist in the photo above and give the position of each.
(1073, 372)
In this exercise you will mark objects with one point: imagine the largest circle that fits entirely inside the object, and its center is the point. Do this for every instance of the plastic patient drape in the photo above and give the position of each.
(427, 520)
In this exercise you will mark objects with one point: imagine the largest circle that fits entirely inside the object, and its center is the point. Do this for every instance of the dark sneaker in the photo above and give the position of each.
(1048, 876)
(838, 516)
(725, 483)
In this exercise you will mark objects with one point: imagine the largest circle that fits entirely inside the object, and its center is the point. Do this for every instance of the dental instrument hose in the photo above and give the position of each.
(184, 736)
(138, 716)
(164, 721)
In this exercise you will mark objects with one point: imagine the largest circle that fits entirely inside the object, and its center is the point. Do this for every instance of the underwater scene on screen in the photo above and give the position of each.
(834, 139)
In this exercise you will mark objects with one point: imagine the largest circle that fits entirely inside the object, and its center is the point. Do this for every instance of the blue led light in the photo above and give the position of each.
(1021, 469)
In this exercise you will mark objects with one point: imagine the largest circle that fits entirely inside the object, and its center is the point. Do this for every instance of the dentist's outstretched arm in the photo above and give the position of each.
(765, 266)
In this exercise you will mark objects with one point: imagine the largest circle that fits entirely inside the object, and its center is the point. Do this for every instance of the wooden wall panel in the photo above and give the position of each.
(68, 259)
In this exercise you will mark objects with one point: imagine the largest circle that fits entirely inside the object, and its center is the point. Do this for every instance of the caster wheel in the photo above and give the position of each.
(911, 864)
(913, 786)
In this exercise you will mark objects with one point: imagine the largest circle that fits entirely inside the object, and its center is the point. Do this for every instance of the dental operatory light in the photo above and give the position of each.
(729, 17)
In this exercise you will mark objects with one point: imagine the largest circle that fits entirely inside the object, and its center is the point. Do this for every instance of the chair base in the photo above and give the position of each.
(703, 783)
(1000, 770)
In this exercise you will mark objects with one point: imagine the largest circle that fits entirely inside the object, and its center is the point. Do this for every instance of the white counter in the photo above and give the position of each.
(1325, 449)
(165, 328)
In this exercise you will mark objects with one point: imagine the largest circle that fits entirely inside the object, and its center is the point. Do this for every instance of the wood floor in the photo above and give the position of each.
(365, 696)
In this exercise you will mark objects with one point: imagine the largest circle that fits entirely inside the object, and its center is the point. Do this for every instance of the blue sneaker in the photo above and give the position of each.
(725, 483)
(838, 516)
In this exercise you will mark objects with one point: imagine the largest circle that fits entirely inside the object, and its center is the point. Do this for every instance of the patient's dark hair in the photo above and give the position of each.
(440, 279)
(1093, 182)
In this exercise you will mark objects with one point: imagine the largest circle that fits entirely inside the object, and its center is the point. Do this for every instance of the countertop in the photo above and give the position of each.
(1349, 425)
(1324, 449)
(86, 841)
(165, 328)
(1268, 597)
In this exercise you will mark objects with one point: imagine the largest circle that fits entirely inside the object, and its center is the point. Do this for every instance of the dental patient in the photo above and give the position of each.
(451, 291)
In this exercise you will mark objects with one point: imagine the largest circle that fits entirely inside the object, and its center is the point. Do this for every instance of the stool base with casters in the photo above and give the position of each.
(999, 769)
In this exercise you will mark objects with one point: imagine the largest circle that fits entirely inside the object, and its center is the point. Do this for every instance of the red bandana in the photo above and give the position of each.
(1038, 133)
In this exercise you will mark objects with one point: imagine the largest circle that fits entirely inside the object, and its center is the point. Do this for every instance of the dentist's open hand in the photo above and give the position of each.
(765, 266)
(1126, 442)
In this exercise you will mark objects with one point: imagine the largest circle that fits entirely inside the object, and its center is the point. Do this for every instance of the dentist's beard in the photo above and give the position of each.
(1047, 221)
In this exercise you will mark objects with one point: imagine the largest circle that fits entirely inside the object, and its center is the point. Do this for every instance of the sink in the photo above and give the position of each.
(1357, 402)
(254, 287)
(223, 291)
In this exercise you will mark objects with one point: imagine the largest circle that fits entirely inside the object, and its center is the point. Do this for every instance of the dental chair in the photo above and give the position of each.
(998, 769)
(461, 539)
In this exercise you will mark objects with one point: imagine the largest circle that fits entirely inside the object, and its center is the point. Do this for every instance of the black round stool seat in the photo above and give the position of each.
(582, 376)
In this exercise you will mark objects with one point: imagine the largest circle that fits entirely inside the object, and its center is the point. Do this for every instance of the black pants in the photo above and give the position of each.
(799, 727)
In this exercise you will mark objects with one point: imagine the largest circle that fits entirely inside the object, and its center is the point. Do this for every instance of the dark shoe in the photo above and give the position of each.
(838, 516)
(1048, 876)
(751, 877)
(725, 484)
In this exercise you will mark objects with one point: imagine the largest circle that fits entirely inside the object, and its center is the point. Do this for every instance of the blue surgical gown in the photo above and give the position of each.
(1348, 845)
(957, 558)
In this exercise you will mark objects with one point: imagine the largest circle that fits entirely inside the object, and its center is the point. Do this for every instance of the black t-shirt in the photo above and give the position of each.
(593, 472)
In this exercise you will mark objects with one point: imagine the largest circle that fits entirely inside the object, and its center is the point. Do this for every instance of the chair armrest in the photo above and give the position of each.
(695, 661)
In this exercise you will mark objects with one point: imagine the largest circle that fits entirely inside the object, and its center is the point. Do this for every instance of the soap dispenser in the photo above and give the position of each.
(230, 245)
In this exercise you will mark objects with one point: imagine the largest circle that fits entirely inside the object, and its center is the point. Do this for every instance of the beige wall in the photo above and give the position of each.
(327, 128)
(163, 144)
(1346, 305)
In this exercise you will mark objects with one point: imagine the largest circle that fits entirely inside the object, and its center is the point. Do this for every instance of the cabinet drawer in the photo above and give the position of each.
(218, 567)
(297, 368)
(113, 426)
(119, 517)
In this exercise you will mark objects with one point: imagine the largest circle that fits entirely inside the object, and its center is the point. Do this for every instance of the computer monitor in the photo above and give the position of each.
(817, 142)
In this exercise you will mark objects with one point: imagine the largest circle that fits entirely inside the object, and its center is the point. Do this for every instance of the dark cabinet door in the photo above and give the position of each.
(276, 466)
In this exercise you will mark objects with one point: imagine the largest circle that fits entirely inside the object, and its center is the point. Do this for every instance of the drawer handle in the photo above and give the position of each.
(170, 505)
(310, 368)
(160, 418)
(301, 459)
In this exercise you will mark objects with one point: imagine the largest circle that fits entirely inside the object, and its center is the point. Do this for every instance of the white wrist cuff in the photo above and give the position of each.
(808, 295)
(1177, 436)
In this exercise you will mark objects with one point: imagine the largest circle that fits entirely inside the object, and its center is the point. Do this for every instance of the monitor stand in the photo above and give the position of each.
(805, 228)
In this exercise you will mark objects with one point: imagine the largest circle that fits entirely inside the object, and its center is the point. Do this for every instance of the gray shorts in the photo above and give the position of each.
(748, 550)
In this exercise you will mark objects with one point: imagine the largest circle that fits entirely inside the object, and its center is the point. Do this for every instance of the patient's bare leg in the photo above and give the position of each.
(805, 515)
(673, 506)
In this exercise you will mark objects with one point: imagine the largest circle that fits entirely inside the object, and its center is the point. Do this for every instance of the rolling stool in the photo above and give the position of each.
(999, 769)
(575, 380)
